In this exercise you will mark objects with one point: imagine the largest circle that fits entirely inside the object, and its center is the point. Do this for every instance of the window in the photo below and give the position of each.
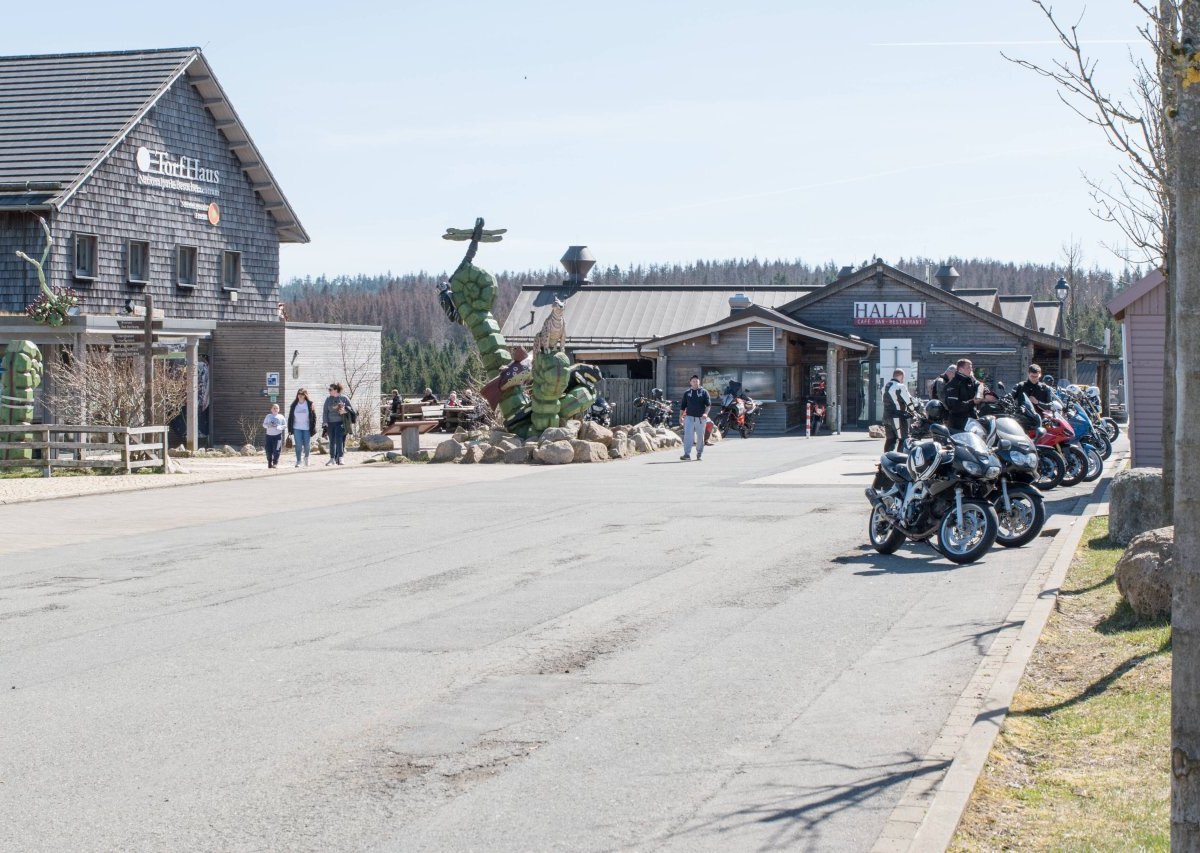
(760, 339)
(85, 256)
(185, 266)
(231, 270)
(137, 257)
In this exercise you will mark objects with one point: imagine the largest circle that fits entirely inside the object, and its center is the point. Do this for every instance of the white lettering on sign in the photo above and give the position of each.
(167, 171)
(889, 313)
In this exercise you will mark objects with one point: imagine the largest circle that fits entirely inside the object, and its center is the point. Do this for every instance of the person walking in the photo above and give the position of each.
(302, 418)
(693, 410)
(337, 412)
(897, 405)
(274, 424)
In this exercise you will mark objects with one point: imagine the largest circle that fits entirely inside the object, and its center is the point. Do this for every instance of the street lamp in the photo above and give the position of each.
(1061, 291)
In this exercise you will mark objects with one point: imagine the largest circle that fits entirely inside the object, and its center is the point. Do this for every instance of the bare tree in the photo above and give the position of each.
(1185, 607)
(109, 390)
(1140, 125)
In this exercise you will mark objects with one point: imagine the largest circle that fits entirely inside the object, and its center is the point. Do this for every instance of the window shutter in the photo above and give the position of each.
(760, 339)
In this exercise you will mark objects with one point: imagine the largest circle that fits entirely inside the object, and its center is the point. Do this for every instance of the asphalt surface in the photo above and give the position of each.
(643, 655)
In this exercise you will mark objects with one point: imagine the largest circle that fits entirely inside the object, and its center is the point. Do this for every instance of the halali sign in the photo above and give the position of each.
(167, 171)
(889, 313)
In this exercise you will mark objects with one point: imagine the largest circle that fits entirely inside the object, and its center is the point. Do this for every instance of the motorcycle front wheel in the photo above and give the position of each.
(1024, 520)
(884, 538)
(968, 543)
(1075, 465)
(1050, 471)
(1095, 464)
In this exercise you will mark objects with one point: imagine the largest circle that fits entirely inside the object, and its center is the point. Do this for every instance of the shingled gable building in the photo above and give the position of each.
(151, 184)
(781, 341)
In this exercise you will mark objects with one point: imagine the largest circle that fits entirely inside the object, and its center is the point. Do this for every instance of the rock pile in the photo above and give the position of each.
(575, 442)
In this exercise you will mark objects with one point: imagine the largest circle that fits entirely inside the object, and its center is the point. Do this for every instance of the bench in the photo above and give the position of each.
(410, 434)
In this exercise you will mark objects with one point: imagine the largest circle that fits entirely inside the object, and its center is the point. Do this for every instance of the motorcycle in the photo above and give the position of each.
(940, 488)
(657, 411)
(600, 412)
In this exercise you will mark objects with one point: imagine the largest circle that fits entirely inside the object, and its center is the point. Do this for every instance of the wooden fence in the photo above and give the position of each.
(124, 449)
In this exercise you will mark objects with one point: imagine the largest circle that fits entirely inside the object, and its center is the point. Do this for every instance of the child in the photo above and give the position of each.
(274, 424)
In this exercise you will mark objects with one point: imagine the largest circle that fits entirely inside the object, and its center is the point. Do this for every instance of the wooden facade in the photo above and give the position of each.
(1142, 310)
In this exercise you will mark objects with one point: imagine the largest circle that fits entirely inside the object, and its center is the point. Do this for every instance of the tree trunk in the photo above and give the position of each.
(1185, 607)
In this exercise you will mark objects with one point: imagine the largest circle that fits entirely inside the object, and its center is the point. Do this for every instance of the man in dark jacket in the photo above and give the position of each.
(1034, 388)
(963, 392)
(693, 412)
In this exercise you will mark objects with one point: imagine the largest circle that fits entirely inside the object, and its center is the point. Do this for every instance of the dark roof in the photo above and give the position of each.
(617, 316)
(61, 115)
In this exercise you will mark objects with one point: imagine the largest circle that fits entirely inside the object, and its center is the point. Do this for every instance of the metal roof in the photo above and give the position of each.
(1016, 309)
(62, 115)
(611, 316)
(1045, 314)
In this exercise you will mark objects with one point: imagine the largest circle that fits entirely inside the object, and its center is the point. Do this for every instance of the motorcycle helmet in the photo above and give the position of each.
(935, 411)
(656, 393)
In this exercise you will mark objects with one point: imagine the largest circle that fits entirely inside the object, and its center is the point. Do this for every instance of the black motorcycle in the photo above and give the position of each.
(599, 412)
(940, 488)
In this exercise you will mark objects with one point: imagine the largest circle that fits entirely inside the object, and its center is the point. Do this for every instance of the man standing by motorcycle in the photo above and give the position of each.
(963, 393)
(693, 411)
(897, 403)
(1034, 388)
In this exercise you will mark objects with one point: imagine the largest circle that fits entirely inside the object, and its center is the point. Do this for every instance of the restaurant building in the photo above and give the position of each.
(152, 186)
(838, 342)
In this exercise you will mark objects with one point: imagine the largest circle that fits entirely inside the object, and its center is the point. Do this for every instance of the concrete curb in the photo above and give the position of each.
(929, 810)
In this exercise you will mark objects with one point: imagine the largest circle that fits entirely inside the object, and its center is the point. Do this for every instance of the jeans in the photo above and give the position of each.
(274, 445)
(693, 432)
(302, 438)
(337, 440)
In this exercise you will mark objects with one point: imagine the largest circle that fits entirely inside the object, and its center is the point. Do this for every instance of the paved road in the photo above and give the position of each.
(648, 655)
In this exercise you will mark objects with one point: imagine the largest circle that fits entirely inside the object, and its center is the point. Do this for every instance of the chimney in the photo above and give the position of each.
(739, 302)
(946, 277)
(578, 262)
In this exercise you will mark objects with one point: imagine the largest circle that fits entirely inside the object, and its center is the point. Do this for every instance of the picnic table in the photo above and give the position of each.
(410, 434)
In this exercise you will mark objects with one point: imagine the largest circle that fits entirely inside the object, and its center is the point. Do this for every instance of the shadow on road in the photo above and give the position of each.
(797, 812)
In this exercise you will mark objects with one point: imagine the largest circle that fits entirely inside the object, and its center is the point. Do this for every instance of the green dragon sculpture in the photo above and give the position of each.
(559, 389)
(22, 373)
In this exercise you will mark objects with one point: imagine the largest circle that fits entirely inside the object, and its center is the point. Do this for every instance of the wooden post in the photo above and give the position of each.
(193, 394)
(148, 354)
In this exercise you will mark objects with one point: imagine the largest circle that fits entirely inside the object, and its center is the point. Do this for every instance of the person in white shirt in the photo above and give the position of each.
(274, 424)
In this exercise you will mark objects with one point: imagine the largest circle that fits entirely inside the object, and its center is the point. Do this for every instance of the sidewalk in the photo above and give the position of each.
(194, 471)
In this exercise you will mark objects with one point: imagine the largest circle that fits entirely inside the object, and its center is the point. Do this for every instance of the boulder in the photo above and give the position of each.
(473, 454)
(592, 431)
(557, 434)
(555, 453)
(494, 454)
(1136, 504)
(589, 451)
(876, 431)
(377, 443)
(519, 456)
(450, 450)
(1145, 570)
(642, 443)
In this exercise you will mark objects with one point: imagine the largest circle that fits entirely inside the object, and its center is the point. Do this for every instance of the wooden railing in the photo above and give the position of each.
(124, 449)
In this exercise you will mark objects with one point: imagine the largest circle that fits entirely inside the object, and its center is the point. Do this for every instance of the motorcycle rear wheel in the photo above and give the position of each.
(1024, 522)
(884, 538)
(1074, 465)
(1050, 471)
(968, 543)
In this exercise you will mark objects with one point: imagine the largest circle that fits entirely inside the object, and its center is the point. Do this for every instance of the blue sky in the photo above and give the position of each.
(652, 132)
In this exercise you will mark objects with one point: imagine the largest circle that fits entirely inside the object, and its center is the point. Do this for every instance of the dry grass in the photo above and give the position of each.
(1083, 760)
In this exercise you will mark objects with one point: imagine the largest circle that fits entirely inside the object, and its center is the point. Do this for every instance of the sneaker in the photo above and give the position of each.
(685, 458)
